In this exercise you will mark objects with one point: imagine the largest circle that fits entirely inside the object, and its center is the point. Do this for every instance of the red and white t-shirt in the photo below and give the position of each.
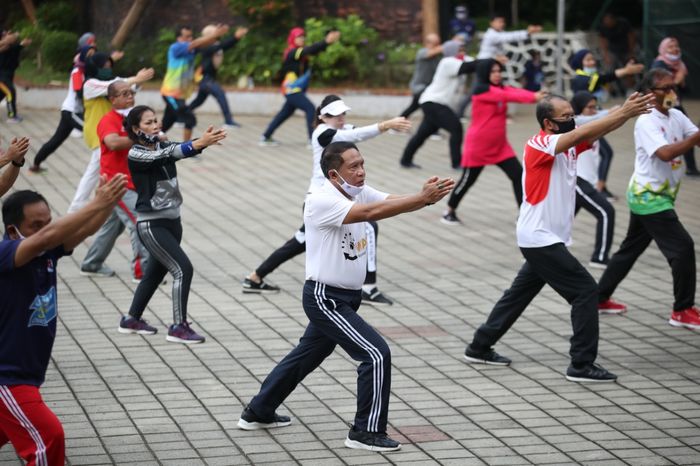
(549, 188)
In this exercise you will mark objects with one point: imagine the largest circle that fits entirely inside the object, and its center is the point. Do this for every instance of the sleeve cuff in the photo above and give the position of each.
(188, 149)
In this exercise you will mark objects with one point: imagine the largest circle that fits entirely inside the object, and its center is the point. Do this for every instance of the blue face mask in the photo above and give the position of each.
(590, 69)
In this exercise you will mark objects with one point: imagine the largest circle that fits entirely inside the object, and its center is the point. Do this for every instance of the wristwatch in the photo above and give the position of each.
(21, 164)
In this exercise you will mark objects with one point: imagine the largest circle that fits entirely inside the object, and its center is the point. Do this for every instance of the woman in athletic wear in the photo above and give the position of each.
(152, 166)
(486, 142)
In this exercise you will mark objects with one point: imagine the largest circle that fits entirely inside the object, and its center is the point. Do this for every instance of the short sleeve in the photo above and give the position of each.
(545, 143)
(180, 49)
(323, 211)
(108, 126)
(369, 194)
(8, 248)
(688, 126)
(648, 136)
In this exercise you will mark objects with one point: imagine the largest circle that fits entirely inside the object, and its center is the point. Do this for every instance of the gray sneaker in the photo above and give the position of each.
(103, 271)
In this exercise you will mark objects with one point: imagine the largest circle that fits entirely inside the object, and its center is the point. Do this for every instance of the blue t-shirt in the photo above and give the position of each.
(28, 312)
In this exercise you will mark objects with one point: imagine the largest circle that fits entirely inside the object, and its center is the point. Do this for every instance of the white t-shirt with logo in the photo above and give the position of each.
(336, 253)
(549, 192)
(655, 182)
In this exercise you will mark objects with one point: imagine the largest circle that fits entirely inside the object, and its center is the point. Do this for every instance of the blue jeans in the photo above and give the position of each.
(293, 102)
(209, 86)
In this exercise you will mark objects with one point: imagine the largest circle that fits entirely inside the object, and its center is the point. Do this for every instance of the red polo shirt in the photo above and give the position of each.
(113, 162)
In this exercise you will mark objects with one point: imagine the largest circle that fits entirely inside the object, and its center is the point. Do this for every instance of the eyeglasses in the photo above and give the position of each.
(666, 89)
(128, 93)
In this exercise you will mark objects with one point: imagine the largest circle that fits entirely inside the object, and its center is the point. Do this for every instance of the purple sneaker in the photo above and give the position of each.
(183, 333)
(130, 324)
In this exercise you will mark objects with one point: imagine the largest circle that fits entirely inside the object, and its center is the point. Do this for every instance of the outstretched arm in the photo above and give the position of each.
(635, 105)
(433, 190)
(72, 229)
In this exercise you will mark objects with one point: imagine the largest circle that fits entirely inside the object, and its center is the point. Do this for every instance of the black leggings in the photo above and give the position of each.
(413, 106)
(177, 110)
(297, 245)
(66, 124)
(511, 167)
(162, 237)
(436, 116)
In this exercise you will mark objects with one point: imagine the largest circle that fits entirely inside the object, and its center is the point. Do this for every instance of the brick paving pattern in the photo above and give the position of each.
(127, 399)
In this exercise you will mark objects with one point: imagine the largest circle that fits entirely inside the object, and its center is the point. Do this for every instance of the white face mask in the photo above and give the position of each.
(19, 233)
(349, 189)
(123, 111)
(673, 57)
(589, 69)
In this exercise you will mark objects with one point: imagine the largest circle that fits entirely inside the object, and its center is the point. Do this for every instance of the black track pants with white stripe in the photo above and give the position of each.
(596, 203)
(333, 317)
(162, 237)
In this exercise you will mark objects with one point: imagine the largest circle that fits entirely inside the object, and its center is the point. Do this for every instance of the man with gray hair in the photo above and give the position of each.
(543, 232)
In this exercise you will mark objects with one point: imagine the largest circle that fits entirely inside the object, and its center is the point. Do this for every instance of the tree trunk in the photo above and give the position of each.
(29, 9)
(431, 17)
(130, 20)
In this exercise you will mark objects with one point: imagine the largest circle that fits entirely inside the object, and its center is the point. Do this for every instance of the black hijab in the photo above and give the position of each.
(580, 100)
(483, 73)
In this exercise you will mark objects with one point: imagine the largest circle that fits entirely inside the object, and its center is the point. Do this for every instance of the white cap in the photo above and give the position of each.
(335, 108)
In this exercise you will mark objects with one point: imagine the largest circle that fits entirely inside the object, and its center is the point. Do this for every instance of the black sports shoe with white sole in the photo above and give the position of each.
(249, 286)
(372, 441)
(590, 373)
(489, 357)
(251, 421)
(376, 297)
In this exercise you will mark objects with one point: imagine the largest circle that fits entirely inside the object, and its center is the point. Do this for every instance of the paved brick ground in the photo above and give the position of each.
(140, 400)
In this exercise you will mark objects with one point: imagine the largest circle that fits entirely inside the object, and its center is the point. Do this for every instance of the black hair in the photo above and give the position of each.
(326, 100)
(497, 15)
(580, 100)
(179, 28)
(13, 206)
(134, 119)
(95, 62)
(652, 77)
(545, 109)
(332, 156)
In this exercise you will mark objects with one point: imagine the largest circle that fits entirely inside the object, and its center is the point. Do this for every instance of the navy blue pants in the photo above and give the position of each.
(333, 317)
(208, 86)
(291, 103)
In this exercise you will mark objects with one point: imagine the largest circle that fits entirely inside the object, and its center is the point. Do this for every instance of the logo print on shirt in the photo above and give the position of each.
(44, 307)
(348, 246)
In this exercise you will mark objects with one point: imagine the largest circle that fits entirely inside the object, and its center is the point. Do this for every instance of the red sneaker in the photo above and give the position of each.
(688, 318)
(611, 307)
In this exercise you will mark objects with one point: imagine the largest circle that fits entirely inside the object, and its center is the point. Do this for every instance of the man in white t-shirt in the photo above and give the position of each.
(660, 139)
(436, 102)
(544, 231)
(336, 257)
(495, 36)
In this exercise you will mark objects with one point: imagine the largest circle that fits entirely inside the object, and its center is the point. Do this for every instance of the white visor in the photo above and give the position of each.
(335, 108)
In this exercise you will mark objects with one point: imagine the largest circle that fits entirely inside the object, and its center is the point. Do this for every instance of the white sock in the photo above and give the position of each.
(368, 287)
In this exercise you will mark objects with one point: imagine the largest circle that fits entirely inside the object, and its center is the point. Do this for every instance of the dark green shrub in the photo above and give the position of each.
(58, 49)
(57, 16)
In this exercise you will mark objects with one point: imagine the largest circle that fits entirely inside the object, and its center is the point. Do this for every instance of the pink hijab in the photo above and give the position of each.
(293, 34)
(674, 65)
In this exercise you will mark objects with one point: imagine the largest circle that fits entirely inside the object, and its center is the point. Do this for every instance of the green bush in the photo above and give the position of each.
(58, 49)
(57, 16)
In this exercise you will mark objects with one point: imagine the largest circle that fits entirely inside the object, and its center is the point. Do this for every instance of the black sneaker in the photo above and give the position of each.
(489, 357)
(376, 297)
(372, 441)
(249, 286)
(410, 165)
(608, 195)
(250, 421)
(450, 218)
(590, 373)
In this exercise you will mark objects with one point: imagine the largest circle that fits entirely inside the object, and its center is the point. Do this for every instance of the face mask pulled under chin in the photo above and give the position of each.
(351, 190)
(564, 126)
(148, 138)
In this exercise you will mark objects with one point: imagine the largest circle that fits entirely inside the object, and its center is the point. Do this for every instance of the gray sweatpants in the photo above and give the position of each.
(123, 216)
